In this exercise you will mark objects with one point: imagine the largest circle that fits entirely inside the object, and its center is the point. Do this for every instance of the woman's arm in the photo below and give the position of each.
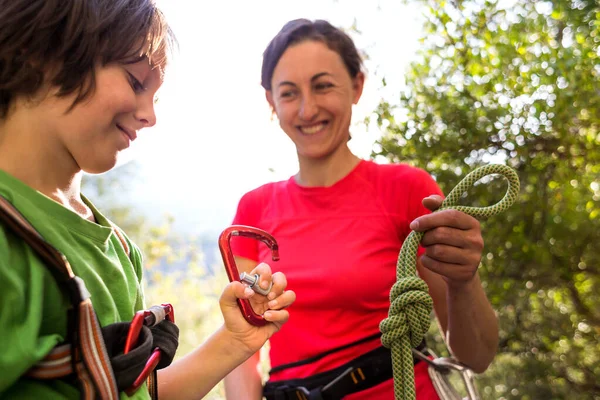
(245, 382)
(453, 247)
(465, 317)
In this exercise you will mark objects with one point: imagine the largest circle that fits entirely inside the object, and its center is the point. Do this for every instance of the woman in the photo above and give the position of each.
(340, 223)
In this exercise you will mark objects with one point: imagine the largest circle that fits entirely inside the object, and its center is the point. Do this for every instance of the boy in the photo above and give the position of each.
(77, 84)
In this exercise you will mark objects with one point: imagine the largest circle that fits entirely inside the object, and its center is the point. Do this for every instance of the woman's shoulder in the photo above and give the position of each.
(395, 171)
(265, 191)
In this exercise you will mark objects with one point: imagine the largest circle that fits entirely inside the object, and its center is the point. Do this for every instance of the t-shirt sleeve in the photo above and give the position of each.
(247, 214)
(23, 280)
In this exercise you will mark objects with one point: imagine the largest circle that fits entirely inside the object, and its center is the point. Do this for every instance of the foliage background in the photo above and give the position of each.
(517, 83)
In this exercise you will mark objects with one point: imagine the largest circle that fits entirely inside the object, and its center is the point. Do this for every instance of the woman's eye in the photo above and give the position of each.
(135, 84)
(323, 86)
(287, 94)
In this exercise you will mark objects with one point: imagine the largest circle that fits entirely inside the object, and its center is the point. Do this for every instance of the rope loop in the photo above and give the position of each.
(410, 304)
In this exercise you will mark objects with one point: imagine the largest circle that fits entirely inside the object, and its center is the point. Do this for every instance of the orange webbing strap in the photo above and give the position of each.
(56, 364)
(88, 355)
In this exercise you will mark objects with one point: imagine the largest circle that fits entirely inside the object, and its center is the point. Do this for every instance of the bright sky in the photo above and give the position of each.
(215, 139)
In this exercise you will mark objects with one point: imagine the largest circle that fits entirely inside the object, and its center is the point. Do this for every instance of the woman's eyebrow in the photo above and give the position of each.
(314, 78)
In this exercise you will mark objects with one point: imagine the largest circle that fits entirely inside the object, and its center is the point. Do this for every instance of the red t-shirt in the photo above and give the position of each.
(338, 247)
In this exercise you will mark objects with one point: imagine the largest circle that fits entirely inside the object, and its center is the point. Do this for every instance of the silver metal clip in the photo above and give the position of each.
(440, 368)
(252, 282)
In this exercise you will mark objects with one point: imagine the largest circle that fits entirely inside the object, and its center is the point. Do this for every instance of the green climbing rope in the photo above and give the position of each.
(410, 304)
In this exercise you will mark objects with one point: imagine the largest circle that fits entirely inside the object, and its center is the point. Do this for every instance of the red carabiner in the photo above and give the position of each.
(151, 317)
(232, 270)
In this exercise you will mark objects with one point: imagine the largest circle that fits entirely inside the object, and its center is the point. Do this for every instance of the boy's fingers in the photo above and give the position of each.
(264, 270)
(283, 301)
(234, 291)
(277, 316)
(279, 281)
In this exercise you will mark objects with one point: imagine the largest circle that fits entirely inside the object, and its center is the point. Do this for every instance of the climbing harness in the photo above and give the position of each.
(410, 304)
(233, 272)
(361, 373)
(92, 353)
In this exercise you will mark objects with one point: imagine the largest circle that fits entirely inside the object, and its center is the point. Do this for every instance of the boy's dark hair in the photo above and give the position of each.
(299, 30)
(60, 42)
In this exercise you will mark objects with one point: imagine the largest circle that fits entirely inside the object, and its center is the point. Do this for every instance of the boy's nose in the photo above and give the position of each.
(146, 115)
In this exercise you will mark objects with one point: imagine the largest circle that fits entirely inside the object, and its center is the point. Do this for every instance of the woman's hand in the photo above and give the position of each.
(452, 241)
(271, 307)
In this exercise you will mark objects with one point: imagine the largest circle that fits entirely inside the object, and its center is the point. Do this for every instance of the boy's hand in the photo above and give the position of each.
(271, 307)
(452, 241)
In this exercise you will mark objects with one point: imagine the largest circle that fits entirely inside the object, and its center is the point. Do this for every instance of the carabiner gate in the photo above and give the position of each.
(151, 317)
(231, 268)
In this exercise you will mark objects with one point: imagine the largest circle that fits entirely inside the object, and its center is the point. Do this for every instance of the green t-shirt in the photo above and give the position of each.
(33, 316)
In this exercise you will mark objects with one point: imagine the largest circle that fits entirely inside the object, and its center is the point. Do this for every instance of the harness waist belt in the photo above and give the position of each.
(361, 373)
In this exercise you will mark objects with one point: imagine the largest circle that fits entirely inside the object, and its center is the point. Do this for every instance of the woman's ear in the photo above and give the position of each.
(358, 83)
(269, 97)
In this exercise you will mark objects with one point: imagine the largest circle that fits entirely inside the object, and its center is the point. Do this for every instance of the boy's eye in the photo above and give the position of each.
(135, 84)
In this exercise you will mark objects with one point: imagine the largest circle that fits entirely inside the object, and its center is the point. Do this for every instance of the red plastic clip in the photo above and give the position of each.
(232, 270)
(151, 317)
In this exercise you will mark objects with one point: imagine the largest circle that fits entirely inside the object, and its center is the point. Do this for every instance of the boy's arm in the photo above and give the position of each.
(196, 374)
(193, 376)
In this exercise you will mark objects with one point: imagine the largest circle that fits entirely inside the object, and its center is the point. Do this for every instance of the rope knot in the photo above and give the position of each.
(410, 310)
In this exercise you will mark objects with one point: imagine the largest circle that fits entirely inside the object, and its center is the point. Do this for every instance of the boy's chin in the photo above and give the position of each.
(99, 166)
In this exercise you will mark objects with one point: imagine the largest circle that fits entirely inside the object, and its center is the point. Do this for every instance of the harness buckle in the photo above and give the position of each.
(302, 393)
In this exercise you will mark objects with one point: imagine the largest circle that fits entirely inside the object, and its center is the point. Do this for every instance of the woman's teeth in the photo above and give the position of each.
(311, 130)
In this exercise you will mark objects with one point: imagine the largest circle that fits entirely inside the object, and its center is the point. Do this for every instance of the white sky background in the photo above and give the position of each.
(214, 139)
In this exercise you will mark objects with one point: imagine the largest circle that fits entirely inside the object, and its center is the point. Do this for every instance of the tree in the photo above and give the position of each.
(518, 83)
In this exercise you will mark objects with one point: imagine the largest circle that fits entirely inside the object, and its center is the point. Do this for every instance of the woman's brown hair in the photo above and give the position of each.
(299, 30)
(60, 43)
